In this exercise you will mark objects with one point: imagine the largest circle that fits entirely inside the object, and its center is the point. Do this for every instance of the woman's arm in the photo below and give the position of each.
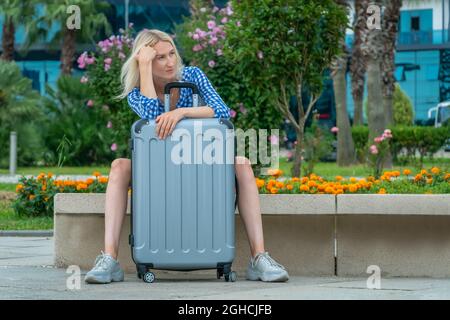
(145, 58)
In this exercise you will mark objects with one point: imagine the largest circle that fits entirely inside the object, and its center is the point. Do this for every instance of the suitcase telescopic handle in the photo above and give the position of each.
(180, 84)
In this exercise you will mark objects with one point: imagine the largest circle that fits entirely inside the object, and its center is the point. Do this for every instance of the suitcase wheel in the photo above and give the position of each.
(232, 276)
(149, 277)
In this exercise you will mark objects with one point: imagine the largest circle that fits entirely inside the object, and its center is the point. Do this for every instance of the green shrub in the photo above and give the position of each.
(403, 108)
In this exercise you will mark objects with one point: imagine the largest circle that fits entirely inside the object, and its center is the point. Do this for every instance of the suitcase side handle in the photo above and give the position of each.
(180, 84)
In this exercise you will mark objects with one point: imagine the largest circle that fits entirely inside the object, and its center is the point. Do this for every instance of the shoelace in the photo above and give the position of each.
(101, 262)
(271, 261)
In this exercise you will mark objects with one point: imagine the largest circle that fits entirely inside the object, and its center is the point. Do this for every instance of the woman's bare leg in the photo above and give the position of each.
(116, 203)
(248, 204)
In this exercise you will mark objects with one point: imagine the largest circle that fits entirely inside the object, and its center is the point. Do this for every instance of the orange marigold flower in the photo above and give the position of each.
(89, 181)
(430, 180)
(289, 187)
(417, 177)
(312, 184)
(273, 190)
(275, 172)
(97, 174)
(49, 175)
(44, 188)
(304, 187)
(329, 190)
(435, 170)
(31, 196)
(352, 179)
(19, 187)
(82, 186)
(305, 180)
(382, 191)
(371, 178)
(321, 187)
(295, 179)
(352, 188)
(103, 180)
(423, 171)
(406, 172)
(396, 173)
(338, 178)
(46, 199)
(260, 183)
(447, 176)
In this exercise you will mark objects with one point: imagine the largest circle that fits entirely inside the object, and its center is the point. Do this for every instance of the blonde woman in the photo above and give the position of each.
(154, 62)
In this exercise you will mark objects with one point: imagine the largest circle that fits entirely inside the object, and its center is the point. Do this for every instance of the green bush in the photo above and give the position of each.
(70, 116)
(410, 139)
(403, 108)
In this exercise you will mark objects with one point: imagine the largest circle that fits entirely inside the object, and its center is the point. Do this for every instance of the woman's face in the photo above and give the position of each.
(165, 62)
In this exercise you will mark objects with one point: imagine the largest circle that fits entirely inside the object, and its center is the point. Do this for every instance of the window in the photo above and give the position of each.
(415, 24)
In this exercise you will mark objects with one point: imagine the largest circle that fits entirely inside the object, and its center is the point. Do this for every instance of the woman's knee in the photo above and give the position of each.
(120, 169)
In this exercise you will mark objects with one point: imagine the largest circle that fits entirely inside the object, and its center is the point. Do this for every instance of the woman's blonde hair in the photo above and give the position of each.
(129, 76)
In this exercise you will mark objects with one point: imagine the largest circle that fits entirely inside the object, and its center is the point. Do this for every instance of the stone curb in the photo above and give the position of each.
(26, 233)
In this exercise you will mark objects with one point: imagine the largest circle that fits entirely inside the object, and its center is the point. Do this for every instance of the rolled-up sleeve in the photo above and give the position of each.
(210, 95)
(146, 108)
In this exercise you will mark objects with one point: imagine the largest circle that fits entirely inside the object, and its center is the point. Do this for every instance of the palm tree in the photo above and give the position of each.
(93, 21)
(358, 61)
(14, 12)
(391, 19)
(372, 48)
(346, 147)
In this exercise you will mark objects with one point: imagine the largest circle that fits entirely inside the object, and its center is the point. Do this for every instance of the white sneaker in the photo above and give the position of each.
(106, 269)
(264, 267)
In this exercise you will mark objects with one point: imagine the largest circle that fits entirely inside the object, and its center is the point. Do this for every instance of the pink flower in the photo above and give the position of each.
(334, 129)
(82, 60)
(233, 113)
(378, 139)
(260, 55)
(238, 24)
(84, 79)
(114, 147)
(107, 67)
(89, 60)
(373, 149)
(274, 140)
(195, 36)
(108, 60)
(211, 24)
(130, 25)
(109, 125)
(215, 9)
(122, 56)
(219, 52)
(197, 47)
(213, 41)
(224, 20)
(211, 63)
(229, 10)
(90, 103)
(242, 108)
(387, 134)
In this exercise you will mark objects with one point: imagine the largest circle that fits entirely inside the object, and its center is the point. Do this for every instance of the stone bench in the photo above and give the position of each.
(312, 235)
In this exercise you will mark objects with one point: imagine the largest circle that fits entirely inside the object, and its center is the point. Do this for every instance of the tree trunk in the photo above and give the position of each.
(8, 40)
(68, 51)
(358, 62)
(345, 147)
(297, 166)
(376, 118)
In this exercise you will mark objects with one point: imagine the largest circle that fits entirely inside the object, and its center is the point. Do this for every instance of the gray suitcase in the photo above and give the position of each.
(182, 215)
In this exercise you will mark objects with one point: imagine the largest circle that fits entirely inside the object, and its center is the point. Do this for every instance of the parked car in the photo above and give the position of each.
(441, 114)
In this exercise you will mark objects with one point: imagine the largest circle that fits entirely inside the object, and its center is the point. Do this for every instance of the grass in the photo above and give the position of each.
(57, 170)
(11, 187)
(9, 220)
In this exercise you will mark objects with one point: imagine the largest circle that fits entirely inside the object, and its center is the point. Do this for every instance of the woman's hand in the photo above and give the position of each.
(145, 55)
(167, 121)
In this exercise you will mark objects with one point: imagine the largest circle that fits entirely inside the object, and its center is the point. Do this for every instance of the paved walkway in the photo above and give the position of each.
(26, 272)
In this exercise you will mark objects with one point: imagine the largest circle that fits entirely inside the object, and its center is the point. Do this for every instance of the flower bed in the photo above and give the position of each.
(35, 195)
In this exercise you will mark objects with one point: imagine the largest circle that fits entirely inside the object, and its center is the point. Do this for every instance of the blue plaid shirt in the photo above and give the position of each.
(150, 108)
